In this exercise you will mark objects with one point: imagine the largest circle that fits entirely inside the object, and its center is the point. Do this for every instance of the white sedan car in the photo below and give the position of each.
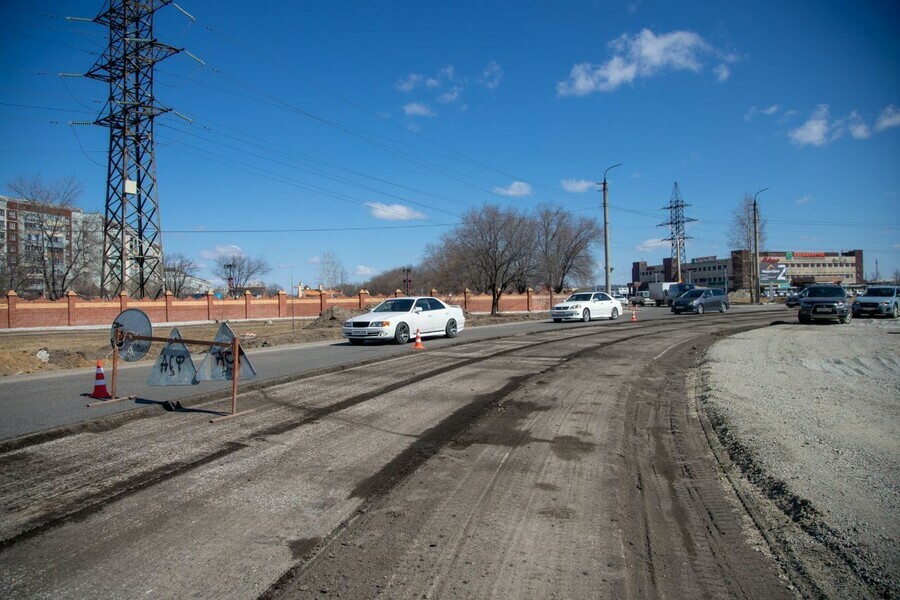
(587, 306)
(397, 319)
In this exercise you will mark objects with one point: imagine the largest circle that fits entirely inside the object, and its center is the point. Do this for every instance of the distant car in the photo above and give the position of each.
(794, 299)
(586, 306)
(824, 302)
(701, 300)
(641, 298)
(878, 300)
(398, 319)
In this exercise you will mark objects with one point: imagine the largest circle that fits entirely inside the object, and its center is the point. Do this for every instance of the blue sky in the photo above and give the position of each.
(366, 129)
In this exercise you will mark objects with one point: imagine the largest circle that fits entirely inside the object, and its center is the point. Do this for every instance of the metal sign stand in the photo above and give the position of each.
(121, 337)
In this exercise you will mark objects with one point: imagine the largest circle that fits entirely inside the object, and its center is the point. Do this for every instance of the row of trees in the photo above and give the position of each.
(495, 250)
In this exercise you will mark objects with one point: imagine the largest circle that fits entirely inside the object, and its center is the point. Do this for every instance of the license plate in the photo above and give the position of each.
(824, 309)
(358, 332)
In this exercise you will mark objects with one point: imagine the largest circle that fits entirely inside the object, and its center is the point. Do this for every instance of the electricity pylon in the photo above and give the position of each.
(676, 224)
(132, 244)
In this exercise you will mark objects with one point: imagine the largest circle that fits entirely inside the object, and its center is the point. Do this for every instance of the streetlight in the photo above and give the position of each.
(606, 228)
(754, 296)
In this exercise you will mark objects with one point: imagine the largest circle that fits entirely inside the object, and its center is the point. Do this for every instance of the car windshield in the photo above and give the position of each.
(692, 294)
(880, 292)
(579, 298)
(825, 292)
(396, 305)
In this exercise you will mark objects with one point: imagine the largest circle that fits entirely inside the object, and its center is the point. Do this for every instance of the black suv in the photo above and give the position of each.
(824, 302)
(700, 300)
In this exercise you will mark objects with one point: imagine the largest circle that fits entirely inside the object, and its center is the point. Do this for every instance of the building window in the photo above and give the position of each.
(12, 214)
(12, 226)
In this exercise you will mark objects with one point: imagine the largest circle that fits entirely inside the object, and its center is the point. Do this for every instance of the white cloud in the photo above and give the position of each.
(221, 251)
(412, 81)
(491, 76)
(755, 110)
(315, 260)
(451, 95)
(516, 188)
(364, 271)
(417, 109)
(819, 129)
(577, 185)
(393, 212)
(653, 244)
(643, 55)
(889, 117)
(804, 199)
(722, 72)
(815, 131)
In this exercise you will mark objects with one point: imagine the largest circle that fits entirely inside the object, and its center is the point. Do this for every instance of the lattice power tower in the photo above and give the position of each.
(676, 224)
(132, 245)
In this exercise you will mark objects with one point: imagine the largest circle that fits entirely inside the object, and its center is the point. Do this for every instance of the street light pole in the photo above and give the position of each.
(754, 296)
(607, 287)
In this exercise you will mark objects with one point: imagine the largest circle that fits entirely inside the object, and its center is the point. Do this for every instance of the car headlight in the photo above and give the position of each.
(575, 306)
(380, 324)
(348, 324)
(885, 302)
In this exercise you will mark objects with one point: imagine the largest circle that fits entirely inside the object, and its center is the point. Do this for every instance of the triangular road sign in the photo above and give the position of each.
(218, 364)
(174, 365)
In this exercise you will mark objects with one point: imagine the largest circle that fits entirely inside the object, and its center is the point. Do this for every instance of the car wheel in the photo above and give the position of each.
(355, 342)
(450, 331)
(895, 312)
(700, 309)
(557, 320)
(846, 319)
(723, 308)
(614, 314)
(586, 315)
(401, 334)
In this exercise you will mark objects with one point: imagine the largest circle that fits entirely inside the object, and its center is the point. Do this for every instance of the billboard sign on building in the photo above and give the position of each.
(773, 273)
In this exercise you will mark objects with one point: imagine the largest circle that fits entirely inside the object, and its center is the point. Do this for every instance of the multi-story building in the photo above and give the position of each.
(782, 269)
(39, 242)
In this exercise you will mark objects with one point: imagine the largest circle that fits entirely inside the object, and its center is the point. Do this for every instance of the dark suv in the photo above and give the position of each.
(824, 302)
(700, 300)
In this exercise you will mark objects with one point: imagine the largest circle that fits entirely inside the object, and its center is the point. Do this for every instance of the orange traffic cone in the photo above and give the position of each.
(100, 392)
(633, 315)
(418, 345)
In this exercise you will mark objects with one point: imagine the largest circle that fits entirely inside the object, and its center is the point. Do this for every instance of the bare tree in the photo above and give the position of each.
(487, 248)
(740, 234)
(564, 246)
(332, 273)
(242, 268)
(14, 274)
(51, 247)
(178, 269)
(386, 283)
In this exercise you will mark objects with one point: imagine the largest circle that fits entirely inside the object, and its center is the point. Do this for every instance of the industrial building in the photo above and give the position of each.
(778, 270)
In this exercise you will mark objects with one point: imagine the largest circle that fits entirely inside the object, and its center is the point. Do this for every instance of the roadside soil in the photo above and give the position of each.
(52, 350)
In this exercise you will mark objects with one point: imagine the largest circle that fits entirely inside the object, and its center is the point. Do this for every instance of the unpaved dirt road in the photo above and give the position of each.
(569, 464)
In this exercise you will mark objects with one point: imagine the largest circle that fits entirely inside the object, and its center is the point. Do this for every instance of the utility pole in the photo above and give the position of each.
(607, 287)
(407, 282)
(676, 223)
(754, 274)
(132, 244)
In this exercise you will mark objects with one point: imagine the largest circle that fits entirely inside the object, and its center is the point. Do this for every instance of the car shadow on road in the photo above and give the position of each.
(169, 406)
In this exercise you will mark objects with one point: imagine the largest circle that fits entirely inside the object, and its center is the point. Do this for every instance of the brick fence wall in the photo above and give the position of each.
(71, 311)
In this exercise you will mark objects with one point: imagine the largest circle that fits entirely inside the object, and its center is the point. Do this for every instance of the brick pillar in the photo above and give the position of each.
(362, 302)
(466, 293)
(169, 312)
(247, 298)
(282, 303)
(528, 299)
(71, 298)
(123, 301)
(398, 293)
(12, 298)
(209, 305)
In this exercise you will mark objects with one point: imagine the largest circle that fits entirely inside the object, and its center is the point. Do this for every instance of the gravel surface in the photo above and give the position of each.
(811, 414)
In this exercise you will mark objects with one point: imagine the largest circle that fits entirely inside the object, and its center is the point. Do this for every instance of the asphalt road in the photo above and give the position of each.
(41, 402)
(565, 463)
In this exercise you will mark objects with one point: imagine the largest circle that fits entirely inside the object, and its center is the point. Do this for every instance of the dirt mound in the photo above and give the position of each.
(333, 316)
